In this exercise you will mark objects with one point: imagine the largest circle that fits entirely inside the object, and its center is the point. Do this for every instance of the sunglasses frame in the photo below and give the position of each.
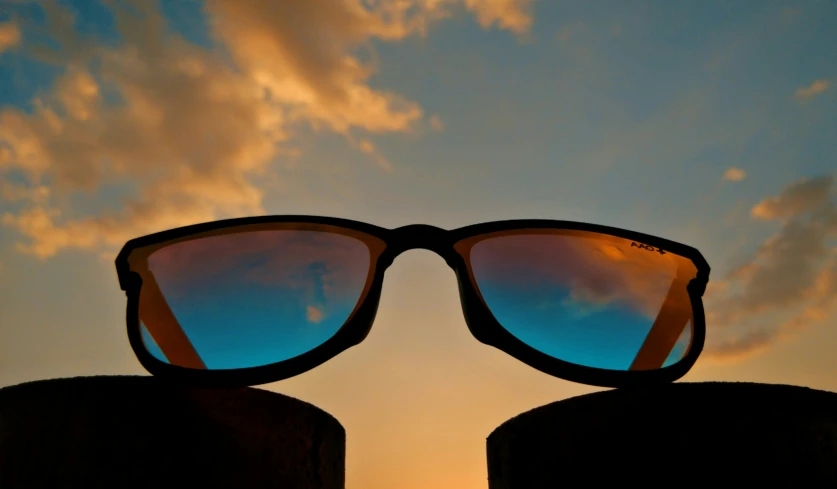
(478, 318)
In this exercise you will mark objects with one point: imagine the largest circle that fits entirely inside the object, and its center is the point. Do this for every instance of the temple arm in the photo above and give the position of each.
(675, 314)
(156, 315)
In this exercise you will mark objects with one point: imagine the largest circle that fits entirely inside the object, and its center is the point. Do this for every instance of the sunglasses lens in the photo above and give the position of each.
(586, 298)
(249, 298)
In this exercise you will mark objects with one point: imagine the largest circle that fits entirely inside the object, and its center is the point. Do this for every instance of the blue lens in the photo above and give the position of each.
(250, 298)
(586, 298)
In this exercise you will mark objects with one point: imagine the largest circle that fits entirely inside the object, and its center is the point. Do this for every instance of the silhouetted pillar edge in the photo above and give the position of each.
(140, 432)
(684, 434)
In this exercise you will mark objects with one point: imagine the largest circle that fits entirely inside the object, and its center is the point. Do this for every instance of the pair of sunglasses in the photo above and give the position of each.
(250, 301)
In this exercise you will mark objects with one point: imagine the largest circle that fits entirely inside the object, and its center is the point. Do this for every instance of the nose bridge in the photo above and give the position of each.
(420, 236)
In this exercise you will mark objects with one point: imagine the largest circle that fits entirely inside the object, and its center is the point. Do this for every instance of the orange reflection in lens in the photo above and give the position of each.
(324, 266)
(588, 273)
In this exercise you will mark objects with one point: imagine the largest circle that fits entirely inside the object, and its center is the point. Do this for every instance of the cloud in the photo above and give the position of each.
(436, 123)
(368, 147)
(789, 283)
(597, 270)
(9, 36)
(514, 15)
(734, 174)
(194, 129)
(320, 268)
(17, 193)
(814, 89)
(299, 52)
(314, 315)
(187, 133)
(796, 199)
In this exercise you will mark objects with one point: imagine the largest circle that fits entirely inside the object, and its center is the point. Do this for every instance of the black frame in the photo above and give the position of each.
(478, 318)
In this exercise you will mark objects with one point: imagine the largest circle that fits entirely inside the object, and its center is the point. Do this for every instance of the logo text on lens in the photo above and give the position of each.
(646, 247)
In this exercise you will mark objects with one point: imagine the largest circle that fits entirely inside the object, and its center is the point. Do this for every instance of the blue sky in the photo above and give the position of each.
(708, 123)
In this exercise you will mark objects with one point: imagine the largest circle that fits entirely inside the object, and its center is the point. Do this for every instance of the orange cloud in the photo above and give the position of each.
(734, 174)
(280, 253)
(794, 270)
(15, 193)
(299, 52)
(797, 199)
(597, 269)
(815, 88)
(514, 15)
(436, 123)
(192, 133)
(368, 147)
(9, 36)
(320, 269)
(314, 315)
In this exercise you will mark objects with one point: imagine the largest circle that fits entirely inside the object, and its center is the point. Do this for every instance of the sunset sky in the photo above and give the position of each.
(710, 123)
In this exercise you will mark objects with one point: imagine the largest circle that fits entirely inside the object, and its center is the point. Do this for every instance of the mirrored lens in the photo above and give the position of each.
(586, 298)
(249, 298)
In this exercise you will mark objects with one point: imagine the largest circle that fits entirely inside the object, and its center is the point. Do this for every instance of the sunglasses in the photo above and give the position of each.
(250, 301)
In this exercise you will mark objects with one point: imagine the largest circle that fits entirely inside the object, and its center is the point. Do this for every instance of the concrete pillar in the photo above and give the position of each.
(139, 432)
(680, 435)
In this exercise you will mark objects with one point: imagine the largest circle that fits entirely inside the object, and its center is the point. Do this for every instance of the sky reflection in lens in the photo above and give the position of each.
(581, 297)
(254, 298)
